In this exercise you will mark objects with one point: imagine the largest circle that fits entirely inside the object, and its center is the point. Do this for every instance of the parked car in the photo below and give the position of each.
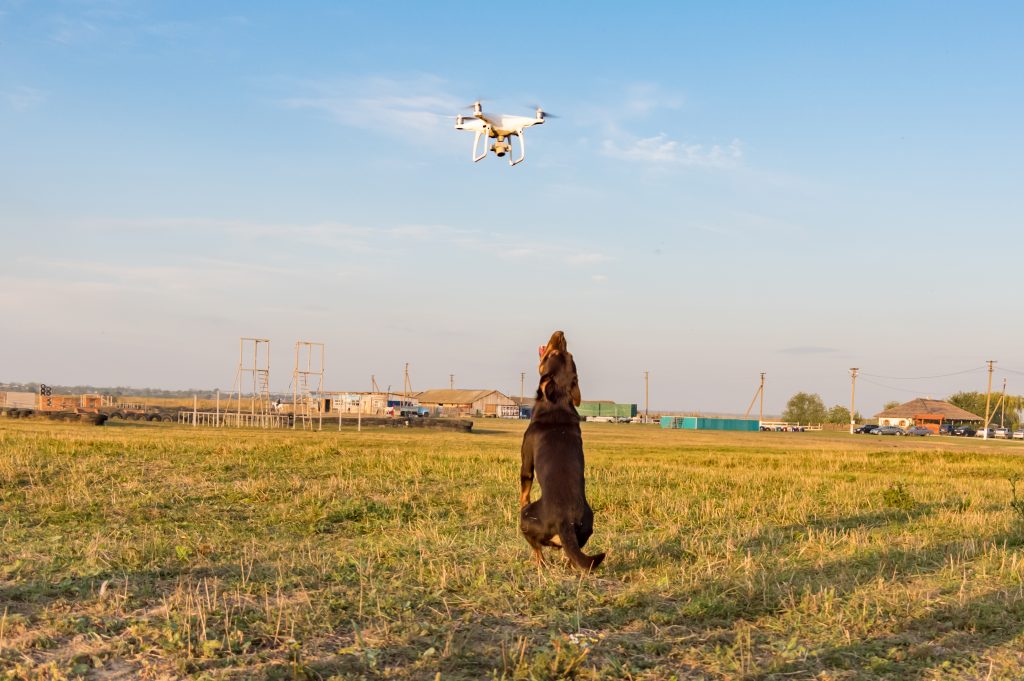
(866, 428)
(947, 429)
(889, 430)
(964, 431)
(980, 432)
(918, 430)
(1018, 434)
(1002, 432)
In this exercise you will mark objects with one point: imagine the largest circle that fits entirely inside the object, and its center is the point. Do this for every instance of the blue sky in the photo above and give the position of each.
(729, 188)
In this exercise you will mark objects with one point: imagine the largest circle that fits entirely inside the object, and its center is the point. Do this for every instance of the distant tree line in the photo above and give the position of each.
(810, 408)
(1006, 412)
(119, 391)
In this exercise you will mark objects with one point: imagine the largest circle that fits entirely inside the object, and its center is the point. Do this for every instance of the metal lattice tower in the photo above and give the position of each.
(253, 373)
(308, 383)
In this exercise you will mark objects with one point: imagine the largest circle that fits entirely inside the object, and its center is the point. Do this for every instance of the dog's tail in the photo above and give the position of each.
(572, 548)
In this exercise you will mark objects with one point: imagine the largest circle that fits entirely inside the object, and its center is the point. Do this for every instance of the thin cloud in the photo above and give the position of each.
(645, 106)
(24, 98)
(348, 238)
(417, 104)
(809, 350)
(194, 275)
(587, 258)
(640, 99)
(74, 30)
(661, 149)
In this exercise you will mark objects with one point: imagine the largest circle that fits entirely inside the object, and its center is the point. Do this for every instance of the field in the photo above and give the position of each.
(160, 551)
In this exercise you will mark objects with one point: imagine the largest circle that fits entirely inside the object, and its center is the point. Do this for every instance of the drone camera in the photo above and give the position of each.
(501, 148)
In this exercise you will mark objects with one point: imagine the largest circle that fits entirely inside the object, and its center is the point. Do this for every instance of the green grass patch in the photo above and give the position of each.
(163, 551)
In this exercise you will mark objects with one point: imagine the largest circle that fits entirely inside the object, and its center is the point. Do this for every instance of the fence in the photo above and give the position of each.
(233, 419)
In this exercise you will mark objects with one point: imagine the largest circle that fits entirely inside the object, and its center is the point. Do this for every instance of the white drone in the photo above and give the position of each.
(499, 128)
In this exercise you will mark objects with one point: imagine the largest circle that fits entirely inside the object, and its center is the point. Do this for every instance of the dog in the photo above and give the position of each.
(553, 451)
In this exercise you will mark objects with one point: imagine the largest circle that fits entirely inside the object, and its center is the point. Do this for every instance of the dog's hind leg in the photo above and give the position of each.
(526, 472)
(532, 531)
(585, 528)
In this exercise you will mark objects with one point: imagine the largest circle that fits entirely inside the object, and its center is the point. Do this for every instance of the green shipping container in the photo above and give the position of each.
(591, 408)
(603, 408)
(708, 423)
(625, 411)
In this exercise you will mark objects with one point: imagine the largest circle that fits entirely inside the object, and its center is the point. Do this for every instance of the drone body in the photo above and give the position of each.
(499, 128)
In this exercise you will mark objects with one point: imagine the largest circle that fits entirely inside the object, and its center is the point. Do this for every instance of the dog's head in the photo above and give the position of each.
(558, 380)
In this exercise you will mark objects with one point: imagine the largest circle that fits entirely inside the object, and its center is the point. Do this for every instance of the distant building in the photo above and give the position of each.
(450, 402)
(606, 408)
(924, 412)
(368, 403)
(525, 406)
(18, 400)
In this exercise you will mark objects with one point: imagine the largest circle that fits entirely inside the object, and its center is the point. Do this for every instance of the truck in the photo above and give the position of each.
(137, 411)
(90, 406)
(58, 407)
(405, 408)
(17, 404)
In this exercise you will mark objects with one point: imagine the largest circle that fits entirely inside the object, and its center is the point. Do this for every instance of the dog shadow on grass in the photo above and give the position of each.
(777, 552)
(944, 640)
(772, 536)
(721, 600)
(950, 635)
(772, 539)
(946, 637)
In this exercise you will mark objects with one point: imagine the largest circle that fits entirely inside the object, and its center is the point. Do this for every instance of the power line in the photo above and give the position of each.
(921, 378)
(1012, 371)
(890, 387)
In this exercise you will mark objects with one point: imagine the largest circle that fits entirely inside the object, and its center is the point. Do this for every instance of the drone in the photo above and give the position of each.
(499, 128)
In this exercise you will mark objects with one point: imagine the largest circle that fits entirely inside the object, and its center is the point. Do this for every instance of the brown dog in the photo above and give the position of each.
(553, 448)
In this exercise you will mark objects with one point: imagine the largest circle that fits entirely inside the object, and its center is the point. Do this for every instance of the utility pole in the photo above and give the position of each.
(407, 385)
(759, 393)
(760, 409)
(853, 394)
(522, 387)
(647, 396)
(988, 397)
(1001, 398)
(451, 381)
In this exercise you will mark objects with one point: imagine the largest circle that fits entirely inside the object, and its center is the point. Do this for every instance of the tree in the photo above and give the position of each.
(838, 414)
(974, 402)
(805, 408)
(891, 405)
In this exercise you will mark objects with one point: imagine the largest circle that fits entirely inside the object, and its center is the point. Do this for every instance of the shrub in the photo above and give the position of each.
(897, 496)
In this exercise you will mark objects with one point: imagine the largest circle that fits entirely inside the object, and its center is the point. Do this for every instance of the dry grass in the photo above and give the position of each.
(160, 551)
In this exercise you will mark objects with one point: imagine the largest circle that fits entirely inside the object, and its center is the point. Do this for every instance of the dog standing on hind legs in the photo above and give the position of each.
(553, 452)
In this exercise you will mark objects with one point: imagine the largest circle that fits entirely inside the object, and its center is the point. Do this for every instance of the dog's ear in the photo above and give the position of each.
(549, 389)
(547, 361)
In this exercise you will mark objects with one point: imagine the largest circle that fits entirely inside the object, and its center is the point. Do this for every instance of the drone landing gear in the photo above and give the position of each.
(522, 150)
(501, 147)
(476, 143)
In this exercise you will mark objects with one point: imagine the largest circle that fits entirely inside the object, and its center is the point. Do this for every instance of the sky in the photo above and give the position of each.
(729, 188)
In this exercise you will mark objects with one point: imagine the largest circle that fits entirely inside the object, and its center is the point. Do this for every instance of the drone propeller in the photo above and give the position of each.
(543, 114)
